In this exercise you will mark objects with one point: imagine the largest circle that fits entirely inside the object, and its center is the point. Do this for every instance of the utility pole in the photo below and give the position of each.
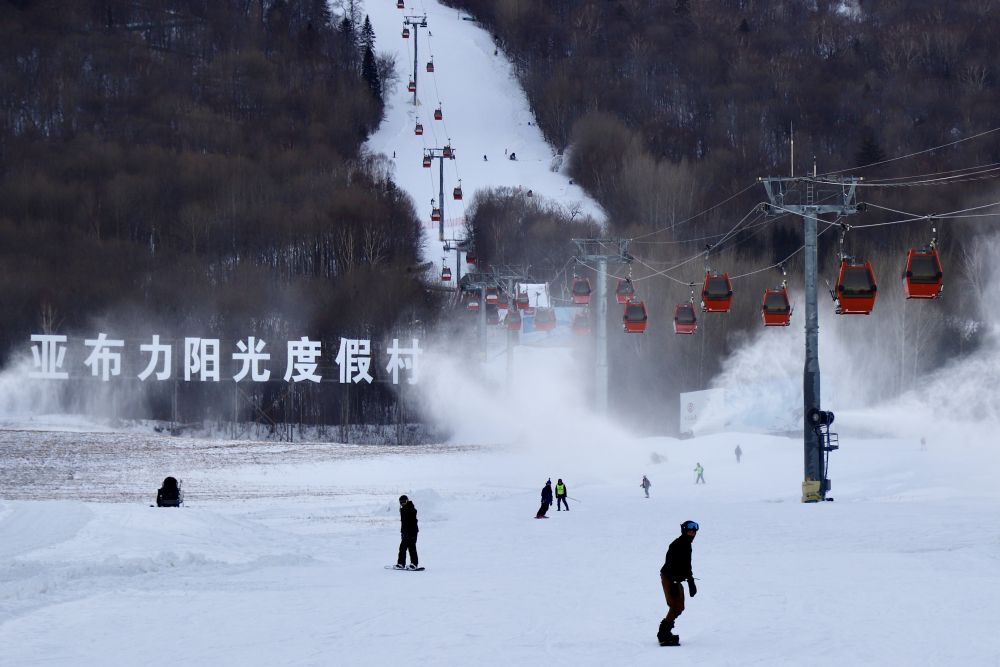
(440, 154)
(417, 22)
(843, 192)
(599, 251)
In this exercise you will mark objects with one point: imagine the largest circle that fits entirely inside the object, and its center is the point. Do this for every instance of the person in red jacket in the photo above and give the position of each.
(408, 533)
(676, 569)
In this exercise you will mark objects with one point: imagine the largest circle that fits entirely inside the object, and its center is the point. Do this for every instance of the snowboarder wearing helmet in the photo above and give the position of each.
(408, 533)
(676, 569)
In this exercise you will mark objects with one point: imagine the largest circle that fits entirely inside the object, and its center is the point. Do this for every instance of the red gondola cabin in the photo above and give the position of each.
(624, 290)
(427, 162)
(581, 323)
(438, 115)
(470, 256)
(856, 289)
(446, 274)
(447, 152)
(522, 301)
(685, 321)
(634, 318)
(411, 87)
(435, 215)
(457, 193)
(776, 310)
(545, 319)
(923, 278)
(581, 291)
(406, 33)
(491, 296)
(400, 5)
(513, 319)
(430, 66)
(418, 129)
(717, 293)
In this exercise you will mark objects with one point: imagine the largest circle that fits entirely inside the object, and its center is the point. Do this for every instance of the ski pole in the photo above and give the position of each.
(573, 499)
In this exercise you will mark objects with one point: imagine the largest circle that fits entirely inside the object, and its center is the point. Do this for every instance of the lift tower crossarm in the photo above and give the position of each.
(844, 194)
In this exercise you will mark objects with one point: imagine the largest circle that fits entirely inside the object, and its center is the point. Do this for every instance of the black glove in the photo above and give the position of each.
(692, 589)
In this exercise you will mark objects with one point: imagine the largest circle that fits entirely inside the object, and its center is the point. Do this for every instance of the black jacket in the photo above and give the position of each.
(547, 494)
(677, 564)
(408, 519)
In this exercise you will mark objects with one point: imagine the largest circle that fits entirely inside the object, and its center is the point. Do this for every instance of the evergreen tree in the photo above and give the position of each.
(368, 37)
(369, 72)
(870, 152)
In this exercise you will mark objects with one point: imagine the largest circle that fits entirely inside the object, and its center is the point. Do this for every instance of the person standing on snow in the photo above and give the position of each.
(699, 473)
(546, 500)
(645, 485)
(408, 532)
(739, 453)
(676, 569)
(561, 496)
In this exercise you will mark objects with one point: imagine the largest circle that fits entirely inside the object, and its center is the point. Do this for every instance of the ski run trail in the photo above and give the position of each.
(278, 556)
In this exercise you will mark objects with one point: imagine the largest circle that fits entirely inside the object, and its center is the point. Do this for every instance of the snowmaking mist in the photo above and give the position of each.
(543, 412)
(763, 377)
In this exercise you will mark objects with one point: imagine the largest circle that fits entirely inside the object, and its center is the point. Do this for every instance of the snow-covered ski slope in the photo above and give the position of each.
(282, 564)
(484, 112)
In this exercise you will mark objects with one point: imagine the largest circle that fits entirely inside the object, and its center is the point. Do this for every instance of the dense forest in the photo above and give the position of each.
(670, 111)
(194, 168)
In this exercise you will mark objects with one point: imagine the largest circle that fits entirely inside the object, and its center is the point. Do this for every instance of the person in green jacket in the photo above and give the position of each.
(699, 473)
(561, 496)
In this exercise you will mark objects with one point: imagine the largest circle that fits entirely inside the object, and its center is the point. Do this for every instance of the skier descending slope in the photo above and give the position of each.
(408, 533)
(546, 500)
(677, 568)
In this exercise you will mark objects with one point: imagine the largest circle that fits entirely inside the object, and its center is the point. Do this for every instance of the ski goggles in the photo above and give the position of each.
(691, 525)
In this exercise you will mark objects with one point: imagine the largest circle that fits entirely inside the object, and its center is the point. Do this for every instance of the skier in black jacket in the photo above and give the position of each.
(676, 568)
(408, 532)
(546, 500)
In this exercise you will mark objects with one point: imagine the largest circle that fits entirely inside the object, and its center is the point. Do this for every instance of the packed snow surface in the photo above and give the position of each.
(278, 556)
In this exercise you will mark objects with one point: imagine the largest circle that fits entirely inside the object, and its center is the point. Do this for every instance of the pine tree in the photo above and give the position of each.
(368, 36)
(369, 72)
(870, 152)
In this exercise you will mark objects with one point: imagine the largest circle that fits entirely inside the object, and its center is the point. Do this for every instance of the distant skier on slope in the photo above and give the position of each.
(408, 533)
(676, 568)
(699, 473)
(561, 496)
(645, 484)
(546, 500)
(739, 453)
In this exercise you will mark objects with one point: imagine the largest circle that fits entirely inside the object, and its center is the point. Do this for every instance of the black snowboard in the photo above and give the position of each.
(404, 569)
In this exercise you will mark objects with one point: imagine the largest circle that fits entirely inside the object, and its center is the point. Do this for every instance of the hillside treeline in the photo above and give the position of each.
(670, 108)
(193, 168)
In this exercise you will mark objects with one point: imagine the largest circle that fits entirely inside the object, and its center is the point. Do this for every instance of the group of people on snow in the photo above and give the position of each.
(560, 495)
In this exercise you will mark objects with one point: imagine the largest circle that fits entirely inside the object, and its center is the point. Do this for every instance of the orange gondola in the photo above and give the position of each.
(717, 293)
(545, 319)
(418, 129)
(581, 291)
(634, 318)
(624, 291)
(581, 323)
(513, 320)
(856, 288)
(923, 278)
(685, 321)
(776, 309)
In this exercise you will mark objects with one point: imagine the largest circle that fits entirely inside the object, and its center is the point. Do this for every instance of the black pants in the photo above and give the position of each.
(409, 542)
(561, 502)
(543, 509)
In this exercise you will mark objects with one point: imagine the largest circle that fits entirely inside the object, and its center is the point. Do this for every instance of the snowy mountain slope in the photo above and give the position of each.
(485, 113)
(297, 578)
